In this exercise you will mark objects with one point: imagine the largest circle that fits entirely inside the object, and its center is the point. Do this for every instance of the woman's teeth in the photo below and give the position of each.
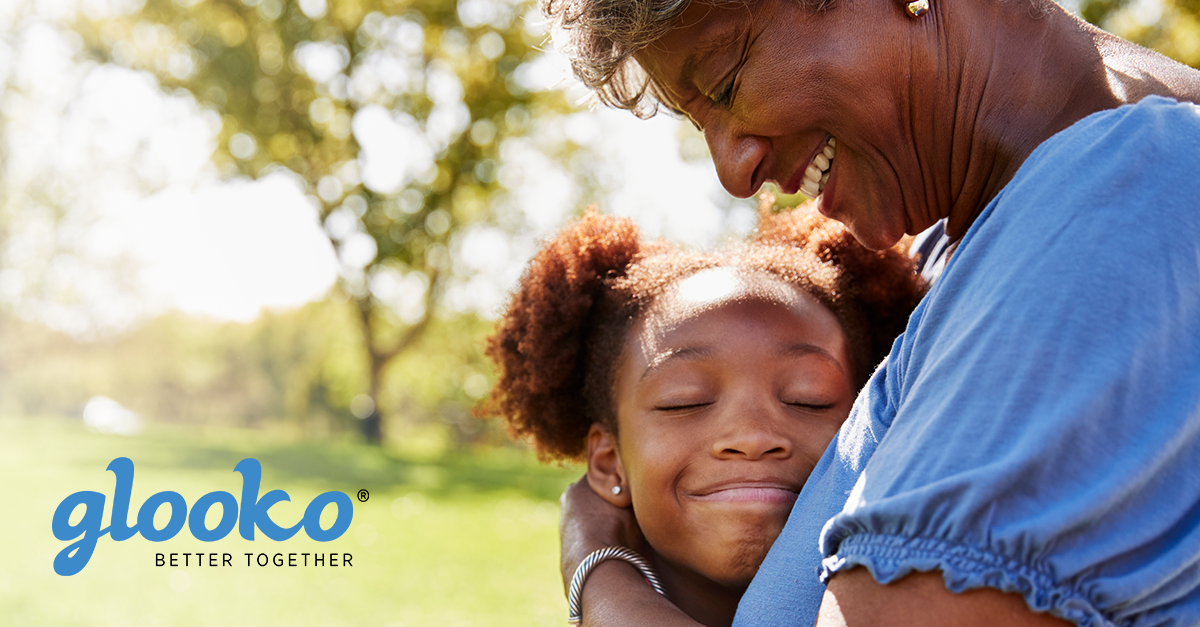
(817, 172)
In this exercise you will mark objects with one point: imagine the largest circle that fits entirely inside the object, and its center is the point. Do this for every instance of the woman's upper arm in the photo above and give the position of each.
(617, 596)
(854, 599)
(614, 594)
(1045, 412)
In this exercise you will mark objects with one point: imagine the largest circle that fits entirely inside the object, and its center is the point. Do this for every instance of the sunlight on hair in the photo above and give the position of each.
(709, 285)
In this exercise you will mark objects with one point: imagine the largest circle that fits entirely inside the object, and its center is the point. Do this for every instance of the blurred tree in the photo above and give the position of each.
(57, 170)
(392, 112)
(1171, 27)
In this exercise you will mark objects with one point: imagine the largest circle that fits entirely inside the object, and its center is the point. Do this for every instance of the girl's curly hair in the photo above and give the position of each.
(558, 344)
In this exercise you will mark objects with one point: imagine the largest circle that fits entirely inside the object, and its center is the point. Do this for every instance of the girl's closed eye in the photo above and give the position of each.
(705, 386)
(681, 406)
(678, 398)
(810, 405)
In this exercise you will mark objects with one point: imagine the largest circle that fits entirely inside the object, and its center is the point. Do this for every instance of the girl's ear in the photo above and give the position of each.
(605, 473)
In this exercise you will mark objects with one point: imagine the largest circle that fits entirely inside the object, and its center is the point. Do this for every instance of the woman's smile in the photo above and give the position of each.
(812, 179)
(813, 101)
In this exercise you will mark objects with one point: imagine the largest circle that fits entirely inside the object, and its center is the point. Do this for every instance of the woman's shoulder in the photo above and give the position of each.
(1113, 196)
(1130, 168)
(1151, 130)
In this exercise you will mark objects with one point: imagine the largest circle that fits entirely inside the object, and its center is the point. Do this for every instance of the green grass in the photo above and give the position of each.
(454, 540)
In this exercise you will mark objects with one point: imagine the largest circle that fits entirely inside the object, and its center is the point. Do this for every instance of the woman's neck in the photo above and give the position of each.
(1023, 76)
(706, 601)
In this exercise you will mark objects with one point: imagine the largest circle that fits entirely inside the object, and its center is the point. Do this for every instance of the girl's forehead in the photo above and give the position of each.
(720, 313)
(715, 289)
(719, 285)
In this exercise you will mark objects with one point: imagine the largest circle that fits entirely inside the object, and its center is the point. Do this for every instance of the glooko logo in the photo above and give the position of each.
(252, 513)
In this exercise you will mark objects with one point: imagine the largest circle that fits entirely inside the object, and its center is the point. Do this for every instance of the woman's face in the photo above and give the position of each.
(728, 393)
(770, 83)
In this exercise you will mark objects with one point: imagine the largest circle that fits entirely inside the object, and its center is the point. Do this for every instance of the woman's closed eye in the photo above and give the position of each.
(725, 94)
(726, 91)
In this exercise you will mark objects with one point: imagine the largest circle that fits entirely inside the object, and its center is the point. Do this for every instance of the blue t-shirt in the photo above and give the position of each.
(1037, 427)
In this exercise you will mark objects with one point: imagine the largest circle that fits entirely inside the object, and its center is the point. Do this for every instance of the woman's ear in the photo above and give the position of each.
(605, 473)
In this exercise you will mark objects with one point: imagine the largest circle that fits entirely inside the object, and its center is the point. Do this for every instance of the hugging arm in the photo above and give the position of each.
(855, 599)
(1043, 409)
(615, 594)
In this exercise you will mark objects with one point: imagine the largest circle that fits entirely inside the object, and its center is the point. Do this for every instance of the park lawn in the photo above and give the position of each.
(446, 541)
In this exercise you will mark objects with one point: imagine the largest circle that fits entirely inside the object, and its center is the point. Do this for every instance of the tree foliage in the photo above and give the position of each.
(1171, 27)
(391, 112)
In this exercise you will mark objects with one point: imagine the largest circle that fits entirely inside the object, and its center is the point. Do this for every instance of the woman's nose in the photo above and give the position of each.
(750, 434)
(737, 156)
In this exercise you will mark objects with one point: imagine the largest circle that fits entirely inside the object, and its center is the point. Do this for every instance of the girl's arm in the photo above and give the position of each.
(615, 594)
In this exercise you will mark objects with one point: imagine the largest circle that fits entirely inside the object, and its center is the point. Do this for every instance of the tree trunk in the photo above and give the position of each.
(378, 358)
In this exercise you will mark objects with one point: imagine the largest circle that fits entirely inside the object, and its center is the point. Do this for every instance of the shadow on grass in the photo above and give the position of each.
(349, 467)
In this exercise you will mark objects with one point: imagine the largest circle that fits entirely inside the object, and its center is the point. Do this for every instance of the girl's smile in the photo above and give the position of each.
(701, 388)
(753, 490)
(728, 392)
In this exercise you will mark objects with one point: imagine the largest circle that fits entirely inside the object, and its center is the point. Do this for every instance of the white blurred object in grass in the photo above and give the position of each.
(104, 415)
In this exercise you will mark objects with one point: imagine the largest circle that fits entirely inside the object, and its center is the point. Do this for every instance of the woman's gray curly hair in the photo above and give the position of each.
(600, 38)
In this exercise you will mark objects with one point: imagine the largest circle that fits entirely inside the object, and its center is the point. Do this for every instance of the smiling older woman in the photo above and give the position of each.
(1028, 452)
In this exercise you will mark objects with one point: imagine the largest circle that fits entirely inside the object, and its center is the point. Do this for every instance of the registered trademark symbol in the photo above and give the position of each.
(363, 495)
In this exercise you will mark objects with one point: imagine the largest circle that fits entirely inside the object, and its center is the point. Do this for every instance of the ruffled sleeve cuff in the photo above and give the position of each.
(889, 558)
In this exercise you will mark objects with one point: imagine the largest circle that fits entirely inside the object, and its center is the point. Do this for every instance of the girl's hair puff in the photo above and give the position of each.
(559, 342)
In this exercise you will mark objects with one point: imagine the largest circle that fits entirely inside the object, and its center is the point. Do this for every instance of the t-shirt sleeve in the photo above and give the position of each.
(1045, 436)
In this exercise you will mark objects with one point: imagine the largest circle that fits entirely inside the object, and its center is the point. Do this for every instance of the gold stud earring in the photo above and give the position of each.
(917, 8)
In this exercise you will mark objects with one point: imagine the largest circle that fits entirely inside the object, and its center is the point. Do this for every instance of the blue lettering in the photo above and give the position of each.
(118, 526)
(312, 516)
(229, 516)
(150, 507)
(253, 513)
(73, 558)
(254, 510)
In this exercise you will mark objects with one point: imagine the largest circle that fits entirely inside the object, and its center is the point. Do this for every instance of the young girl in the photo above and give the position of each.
(701, 388)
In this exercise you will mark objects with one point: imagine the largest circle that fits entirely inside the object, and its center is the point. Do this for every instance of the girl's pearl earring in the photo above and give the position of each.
(616, 490)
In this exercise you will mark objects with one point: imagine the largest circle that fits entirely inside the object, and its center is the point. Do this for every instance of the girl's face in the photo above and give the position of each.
(728, 392)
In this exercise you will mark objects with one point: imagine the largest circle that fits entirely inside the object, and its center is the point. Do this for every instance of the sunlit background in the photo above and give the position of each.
(387, 165)
(281, 229)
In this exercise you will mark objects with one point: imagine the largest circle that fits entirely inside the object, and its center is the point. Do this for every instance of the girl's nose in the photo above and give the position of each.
(750, 433)
(737, 156)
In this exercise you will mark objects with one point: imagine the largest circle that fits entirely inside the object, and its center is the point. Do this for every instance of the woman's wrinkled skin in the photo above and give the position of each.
(931, 116)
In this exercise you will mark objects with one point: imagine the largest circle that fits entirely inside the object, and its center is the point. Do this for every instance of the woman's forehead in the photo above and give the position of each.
(701, 31)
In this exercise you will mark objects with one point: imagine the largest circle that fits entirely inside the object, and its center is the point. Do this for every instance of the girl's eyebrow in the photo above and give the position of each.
(685, 353)
(800, 348)
(688, 353)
